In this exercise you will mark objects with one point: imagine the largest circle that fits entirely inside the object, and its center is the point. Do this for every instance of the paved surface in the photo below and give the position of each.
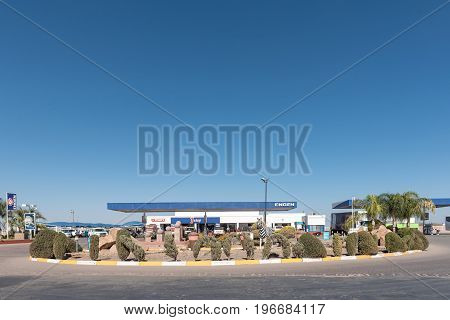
(419, 276)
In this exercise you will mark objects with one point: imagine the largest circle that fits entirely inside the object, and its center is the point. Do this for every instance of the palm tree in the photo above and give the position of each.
(2, 214)
(17, 218)
(411, 206)
(373, 207)
(391, 207)
(352, 221)
(426, 205)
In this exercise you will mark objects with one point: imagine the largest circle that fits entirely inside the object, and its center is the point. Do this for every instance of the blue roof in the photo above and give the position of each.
(201, 206)
(347, 204)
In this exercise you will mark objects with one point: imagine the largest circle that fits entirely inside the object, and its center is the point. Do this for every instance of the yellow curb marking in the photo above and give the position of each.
(294, 260)
(241, 262)
(198, 263)
(332, 259)
(106, 263)
(209, 263)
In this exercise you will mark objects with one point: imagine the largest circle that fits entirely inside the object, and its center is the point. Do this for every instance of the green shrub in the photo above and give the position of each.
(122, 251)
(413, 242)
(72, 246)
(226, 244)
(267, 248)
(248, 246)
(405, 232)
(60, 246)
(351, 244)
(138, 252)
(285, 244)
(375, 238)
(422, 237)
(196, 248)
(298, 250)
(366, 244)
(94, 247)
(394, 243)
(42, 245)
(287, 250)
(288, 232)
(337, 245)
(254, 229)
(131, 246)
(216, 250)
(313, 247)
(170, 247)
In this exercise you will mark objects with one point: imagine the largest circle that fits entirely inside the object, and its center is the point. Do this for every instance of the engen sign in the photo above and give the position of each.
(284, 204)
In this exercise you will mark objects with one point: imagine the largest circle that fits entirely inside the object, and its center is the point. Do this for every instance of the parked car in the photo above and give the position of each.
(219, 230)
(101, 232)
(69, 233)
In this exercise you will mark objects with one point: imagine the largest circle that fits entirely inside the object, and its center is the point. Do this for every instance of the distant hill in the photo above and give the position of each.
(93, 225)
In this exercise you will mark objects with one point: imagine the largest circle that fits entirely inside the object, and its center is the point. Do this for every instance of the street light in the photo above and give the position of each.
(265, 180)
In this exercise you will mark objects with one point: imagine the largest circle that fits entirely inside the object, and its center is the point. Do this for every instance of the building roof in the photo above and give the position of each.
(347, 204)
(201, 206)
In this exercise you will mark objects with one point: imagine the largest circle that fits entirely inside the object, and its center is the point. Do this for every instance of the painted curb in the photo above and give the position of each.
(217, 263)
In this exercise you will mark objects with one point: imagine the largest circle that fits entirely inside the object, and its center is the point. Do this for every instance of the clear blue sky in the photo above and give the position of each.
(69, 130)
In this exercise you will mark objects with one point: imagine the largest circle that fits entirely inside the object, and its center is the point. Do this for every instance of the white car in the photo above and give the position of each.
(101, 232)
(69, 233)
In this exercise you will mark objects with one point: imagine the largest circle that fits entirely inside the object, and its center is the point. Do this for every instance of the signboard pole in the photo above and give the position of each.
(7, 218)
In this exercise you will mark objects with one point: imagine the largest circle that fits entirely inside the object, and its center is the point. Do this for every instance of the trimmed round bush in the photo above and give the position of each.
(216, 250)
(60, 246)
(351, 244)
(402, 232)
(394, 243)
(226, 244)
(298, 250)
(196, 248)
(42, 245)
(249, 247)
(337, 245)
(288, 232)
(287, 249)
(267, 248)
(422, 237)
(72, 246)
(170, 247)
(375, 238)
(413, 242)
(138, 252)
(94, 247)
(366, 244)
(313, 247)
(122, 251)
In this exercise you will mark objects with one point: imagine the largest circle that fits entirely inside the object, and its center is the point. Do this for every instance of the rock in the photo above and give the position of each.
(106, 242)
(113, 251)
(109, 254)
(381, 233)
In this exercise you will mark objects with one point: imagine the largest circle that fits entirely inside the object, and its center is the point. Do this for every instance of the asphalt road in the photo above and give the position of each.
(419, 276)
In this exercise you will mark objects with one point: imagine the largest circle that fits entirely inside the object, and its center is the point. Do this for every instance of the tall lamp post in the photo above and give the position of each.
(73, 215)
(265, 180)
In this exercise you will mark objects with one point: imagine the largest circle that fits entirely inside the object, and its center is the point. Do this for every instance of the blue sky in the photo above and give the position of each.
(69, 130)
